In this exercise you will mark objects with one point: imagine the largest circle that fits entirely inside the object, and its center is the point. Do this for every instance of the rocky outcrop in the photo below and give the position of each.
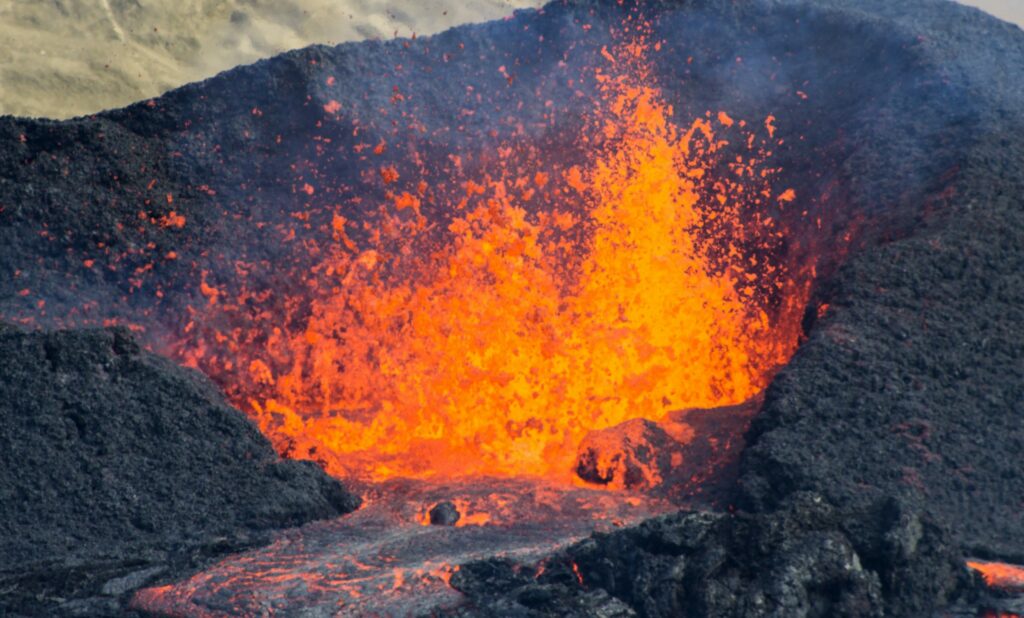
(807, 559)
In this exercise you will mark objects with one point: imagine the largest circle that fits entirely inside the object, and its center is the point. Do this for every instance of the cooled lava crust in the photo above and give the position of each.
(904, 122)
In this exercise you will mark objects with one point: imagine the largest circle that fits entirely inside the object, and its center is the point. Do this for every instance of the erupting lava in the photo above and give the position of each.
(542, 306)
(999, 574)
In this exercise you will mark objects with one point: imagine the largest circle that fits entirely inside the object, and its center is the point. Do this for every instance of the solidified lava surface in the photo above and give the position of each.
(387, 560)
(806, 558)
(885, 451)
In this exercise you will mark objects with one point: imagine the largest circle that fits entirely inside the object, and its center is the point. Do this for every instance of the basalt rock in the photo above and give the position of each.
(807, 559)
(912, 382)
(444, 514)
(689, 457)
(119, 468)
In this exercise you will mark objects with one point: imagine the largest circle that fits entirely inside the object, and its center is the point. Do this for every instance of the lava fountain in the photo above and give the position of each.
(484, 326)
(490, 335)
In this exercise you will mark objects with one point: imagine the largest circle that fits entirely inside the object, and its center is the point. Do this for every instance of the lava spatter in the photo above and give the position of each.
(493, 339)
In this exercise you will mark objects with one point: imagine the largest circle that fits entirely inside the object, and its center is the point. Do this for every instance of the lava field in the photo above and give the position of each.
(668, 308)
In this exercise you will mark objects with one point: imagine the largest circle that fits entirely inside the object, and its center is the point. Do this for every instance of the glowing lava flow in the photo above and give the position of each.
(651, 286)
(1000, 575)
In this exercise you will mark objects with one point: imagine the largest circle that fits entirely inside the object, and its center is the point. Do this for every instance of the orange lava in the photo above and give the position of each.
(1000, 575)
(649, 287)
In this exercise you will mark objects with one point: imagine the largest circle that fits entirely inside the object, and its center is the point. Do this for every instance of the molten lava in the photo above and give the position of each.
(539, 307)
(1000, 575)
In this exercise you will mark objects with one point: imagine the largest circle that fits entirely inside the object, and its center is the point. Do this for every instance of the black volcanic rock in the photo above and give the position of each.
(118, 467)
(913, 382)
(690, 456)
(629, 455)
(806, 559)
(444, 514)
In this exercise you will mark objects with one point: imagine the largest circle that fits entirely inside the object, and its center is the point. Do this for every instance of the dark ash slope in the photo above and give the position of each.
(118, 468)
(913, 382)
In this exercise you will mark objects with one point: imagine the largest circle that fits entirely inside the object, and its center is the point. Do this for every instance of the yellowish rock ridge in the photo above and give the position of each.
(65, 58)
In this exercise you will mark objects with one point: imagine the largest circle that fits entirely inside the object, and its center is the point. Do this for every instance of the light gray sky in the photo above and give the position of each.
(1010, 10)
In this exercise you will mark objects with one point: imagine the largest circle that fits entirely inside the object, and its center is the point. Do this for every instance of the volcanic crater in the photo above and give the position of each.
(690, 308)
